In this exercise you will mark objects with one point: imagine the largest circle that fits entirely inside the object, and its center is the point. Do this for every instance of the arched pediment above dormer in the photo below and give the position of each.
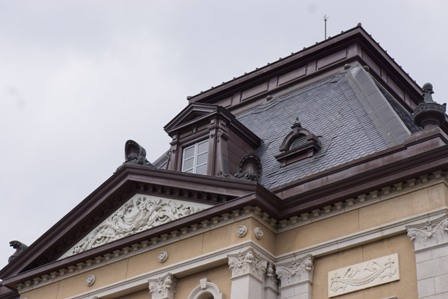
(298, 144)
(140, 213)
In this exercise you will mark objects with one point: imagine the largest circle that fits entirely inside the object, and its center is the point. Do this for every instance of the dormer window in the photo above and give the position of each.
(208, 139)
(299, 144)
(194, 158)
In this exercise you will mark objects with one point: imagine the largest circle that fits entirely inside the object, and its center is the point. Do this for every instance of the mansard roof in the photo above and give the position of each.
(347, 112)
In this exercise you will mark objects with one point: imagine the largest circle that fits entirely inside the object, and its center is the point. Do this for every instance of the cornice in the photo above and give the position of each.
(321, 50)
(160, 237)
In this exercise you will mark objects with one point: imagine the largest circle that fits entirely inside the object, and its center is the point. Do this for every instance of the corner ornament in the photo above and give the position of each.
(163, 287)
(295, 271)
(430, 233)
(247, 262)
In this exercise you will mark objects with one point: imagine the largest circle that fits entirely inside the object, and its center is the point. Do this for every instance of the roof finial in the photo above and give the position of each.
(427, 93)
(429, 114)
(325, 21)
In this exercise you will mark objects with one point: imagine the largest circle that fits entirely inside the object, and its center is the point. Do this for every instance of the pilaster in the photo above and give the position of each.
(296, 278)
(248, 275)
(431, 254)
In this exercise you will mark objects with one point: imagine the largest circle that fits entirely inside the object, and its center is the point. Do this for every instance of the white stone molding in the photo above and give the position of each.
(138, 214)
(90, 280)
(430, 240)
(258, 232)
(247, 262)
(163, 287)
(241, 231)
(204, 290)
(248, 274)
(429, 234)
(163, 256)
(296, 276)
(271, 282)
(295, 271)
(338, 244)
(363, 275)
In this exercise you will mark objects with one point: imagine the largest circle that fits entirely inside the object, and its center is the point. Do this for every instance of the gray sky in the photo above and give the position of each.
(79, 78)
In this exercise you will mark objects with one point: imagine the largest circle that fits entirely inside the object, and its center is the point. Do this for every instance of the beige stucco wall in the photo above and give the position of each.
(406, 287)
(392, 209)
(184, 249)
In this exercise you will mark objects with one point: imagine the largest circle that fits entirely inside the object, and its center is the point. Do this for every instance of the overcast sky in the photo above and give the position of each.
(79, 78)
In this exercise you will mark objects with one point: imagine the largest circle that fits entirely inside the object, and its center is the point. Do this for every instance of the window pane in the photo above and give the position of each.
(202, 169)
(202, 158)
(189, 152)
(188, 164)
(203, 146)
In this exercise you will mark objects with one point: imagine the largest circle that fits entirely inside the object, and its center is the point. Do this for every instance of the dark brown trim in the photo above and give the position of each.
(355, 35)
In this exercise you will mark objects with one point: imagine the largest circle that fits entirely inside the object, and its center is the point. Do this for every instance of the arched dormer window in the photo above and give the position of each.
(205, 290)
(299, 144)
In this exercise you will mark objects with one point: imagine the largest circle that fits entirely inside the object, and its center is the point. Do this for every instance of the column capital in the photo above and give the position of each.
(163, 287)
(247, 262)
(295, 270)
(430, 233)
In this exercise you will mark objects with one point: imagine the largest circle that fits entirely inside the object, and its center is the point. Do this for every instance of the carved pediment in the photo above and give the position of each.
(140, 213)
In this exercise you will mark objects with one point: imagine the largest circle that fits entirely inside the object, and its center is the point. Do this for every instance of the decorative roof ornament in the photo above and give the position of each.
(135, 154)
(249, 168)
(429, 114)
(19, 247)
(299, 144)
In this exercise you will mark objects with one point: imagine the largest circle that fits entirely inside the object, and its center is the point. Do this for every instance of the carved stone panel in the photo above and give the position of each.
(363, 275)
(138, 214)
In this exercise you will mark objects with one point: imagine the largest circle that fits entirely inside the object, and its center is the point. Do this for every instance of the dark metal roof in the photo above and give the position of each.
(330, 109)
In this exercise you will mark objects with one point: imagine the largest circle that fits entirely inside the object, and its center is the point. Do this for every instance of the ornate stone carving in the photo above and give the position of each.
(364, 275)
(428, 234)
(249, 168)
(138, 214)
(19, 247)
(258, 232)
(295, 271)
(90, 280)
(241, 231)
(163, 256)
(271, 279)
(247, 262)
(163, 287)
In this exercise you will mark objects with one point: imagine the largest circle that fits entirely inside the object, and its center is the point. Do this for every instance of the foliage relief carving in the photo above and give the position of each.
(138, 214)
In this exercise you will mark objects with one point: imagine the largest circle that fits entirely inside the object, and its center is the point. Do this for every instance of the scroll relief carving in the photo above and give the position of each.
(247, 262)
(430, 233)
(364, 275)
(163, 287)
(138, 214)
(295, 271)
